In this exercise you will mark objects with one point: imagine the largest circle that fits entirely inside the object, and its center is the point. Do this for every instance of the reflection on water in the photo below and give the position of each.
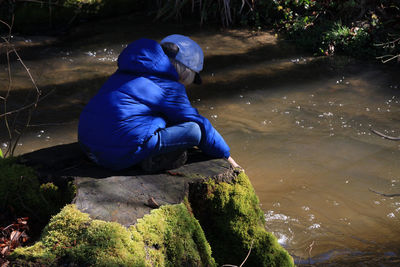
(300, 126)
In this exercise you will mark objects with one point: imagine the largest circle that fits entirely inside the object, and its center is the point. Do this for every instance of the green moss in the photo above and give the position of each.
(22, 195)
(173, 237)
(169, 236)
(18, 186)
(231, 218)
(72, 237)
(36, 255)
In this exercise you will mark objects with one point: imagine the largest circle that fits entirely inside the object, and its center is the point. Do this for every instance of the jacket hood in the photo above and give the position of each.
(146, 57)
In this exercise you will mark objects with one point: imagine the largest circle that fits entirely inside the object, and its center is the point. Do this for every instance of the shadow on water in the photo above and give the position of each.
(62, 102)
(68, 96)
(66, 100)
(123, 30)
(108, 33)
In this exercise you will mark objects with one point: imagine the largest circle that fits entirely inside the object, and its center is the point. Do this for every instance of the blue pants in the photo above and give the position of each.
(175, 138)
(178, 137)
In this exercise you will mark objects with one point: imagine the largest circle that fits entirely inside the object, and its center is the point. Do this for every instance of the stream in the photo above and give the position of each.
(299, 125)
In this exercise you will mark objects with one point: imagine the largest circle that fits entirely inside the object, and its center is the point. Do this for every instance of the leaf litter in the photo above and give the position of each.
(11, 237)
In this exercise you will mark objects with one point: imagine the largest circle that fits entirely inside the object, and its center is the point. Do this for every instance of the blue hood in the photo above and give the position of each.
(145, 57)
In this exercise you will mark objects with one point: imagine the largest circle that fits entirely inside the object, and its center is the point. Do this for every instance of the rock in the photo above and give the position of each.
(122, 196)
(203, 203)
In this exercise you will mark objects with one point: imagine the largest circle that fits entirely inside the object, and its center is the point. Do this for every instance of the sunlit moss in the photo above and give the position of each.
(232, 220)
(169, 236)
(173, 237)
(72, 237)
(36, 255)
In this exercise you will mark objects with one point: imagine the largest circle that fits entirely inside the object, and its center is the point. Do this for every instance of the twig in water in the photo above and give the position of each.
(309, 251)
(393, 138)
(51, 124)
(7, 41)
(248, 254)
(383, 194)
(387, 58)
(34, 104)
(391, 45)
(14, 134)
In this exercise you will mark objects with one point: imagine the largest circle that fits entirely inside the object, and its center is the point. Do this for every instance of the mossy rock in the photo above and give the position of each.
(173, 237)
(232, 220)
(169, 236)
(228, 212)
(220, 213)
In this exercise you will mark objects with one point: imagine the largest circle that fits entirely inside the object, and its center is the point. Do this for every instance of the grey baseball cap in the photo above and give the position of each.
(190, 53)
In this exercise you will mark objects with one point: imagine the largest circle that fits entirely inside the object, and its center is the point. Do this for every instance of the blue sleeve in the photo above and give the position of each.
(176, 107)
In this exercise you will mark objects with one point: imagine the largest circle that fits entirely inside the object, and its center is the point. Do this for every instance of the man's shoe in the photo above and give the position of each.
(164, 162)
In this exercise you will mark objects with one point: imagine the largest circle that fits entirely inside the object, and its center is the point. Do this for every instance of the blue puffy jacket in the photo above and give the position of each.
(141, 97)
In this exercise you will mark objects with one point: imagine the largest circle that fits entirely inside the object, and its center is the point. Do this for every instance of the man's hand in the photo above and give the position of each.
(233, 163)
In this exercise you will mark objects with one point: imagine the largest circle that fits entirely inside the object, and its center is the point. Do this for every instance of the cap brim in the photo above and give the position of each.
(197, 79)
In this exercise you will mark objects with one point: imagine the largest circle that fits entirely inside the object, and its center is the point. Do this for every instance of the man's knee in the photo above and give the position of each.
(194, 131)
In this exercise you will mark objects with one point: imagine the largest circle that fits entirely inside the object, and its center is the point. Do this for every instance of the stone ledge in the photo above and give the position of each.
(121, 196)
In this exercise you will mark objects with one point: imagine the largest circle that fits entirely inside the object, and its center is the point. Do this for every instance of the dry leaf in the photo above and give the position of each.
(152, 203)
(4, 250)
(13, 235)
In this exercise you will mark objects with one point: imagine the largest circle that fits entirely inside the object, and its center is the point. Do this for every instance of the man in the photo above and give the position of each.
(142, 113)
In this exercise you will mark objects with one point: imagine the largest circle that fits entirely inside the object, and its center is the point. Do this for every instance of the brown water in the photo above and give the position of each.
(299, 125)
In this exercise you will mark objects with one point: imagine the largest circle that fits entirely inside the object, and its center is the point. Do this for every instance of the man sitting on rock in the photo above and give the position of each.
(142, 113)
